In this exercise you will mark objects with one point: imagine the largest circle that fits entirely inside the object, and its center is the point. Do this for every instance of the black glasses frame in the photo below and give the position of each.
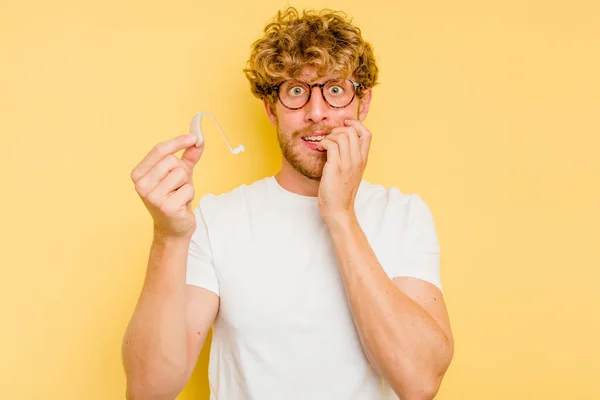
(310, 90)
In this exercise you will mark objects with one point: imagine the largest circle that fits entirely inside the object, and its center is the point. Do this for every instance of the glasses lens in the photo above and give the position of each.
(339, 92)
(293, 94)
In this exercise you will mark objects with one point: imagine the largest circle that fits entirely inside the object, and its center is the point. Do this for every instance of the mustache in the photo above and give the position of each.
(313, 129)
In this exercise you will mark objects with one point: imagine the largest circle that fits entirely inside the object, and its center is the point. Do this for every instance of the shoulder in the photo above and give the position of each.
(232, 201)
(392, 201)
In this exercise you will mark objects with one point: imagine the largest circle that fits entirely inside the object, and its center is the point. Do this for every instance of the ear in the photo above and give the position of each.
(271, 113)
(363, 108)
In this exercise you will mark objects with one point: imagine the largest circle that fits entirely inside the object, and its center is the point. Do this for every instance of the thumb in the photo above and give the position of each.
(192, 155)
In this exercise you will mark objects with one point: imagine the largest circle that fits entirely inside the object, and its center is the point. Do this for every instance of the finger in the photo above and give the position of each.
(332, 136)
(173, 181)
(157, 173)
(355, 145)
(192, 155)
(358, 126)
(182, 196)
(343, 143)
(364, 134)
(343, 136)
(333, 152)
(160, 151)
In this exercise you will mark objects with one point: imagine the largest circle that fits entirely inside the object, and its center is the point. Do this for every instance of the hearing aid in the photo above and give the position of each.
(196, 129)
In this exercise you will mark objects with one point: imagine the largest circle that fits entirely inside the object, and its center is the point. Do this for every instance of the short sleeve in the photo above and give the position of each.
(200, 267)
(419, 248)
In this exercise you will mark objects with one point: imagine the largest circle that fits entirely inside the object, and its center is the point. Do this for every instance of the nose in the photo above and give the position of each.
(317, 108)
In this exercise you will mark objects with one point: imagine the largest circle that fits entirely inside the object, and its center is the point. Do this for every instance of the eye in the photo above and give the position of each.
(296, 90)
(336, 90)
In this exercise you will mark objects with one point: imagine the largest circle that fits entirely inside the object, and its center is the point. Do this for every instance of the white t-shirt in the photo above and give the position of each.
(284, 328)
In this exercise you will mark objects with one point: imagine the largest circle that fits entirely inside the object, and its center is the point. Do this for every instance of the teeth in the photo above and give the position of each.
(315, 138)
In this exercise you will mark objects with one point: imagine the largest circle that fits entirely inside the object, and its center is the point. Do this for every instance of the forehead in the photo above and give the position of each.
(309, 74)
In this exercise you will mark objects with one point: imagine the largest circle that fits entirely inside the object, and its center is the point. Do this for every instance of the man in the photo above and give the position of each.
(317, 284)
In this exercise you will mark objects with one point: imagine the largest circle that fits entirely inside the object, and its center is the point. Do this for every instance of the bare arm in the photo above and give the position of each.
(171, 319)
(403, 324)
(168, 328)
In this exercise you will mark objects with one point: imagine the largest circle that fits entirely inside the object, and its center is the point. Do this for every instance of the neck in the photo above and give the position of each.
(293, 181)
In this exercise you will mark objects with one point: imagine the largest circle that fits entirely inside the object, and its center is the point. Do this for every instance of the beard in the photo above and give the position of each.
(307, 162)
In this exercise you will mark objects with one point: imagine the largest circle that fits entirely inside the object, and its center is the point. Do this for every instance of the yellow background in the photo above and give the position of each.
(489, 110)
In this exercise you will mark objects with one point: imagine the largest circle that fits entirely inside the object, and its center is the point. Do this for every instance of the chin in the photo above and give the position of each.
(305, 161)
(309, 168)
(314, 177)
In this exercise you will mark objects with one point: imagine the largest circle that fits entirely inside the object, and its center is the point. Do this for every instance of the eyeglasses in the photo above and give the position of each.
(337, 92)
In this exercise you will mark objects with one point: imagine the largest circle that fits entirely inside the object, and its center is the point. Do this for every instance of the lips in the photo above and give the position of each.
(314, 137)
(312, 141)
